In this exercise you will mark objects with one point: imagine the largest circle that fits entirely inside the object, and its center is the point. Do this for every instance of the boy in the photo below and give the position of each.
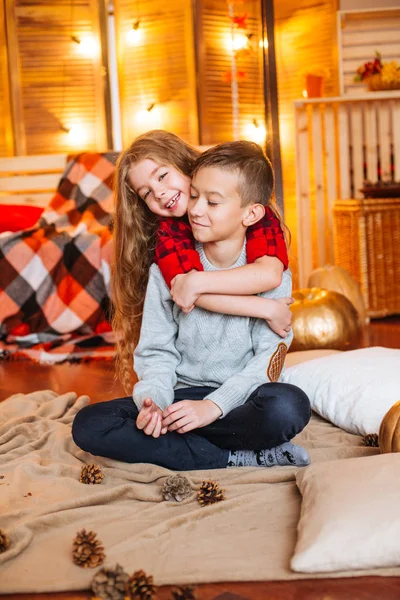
(207, 395)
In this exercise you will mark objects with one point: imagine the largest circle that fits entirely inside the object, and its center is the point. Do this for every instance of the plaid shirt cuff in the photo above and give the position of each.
(178, 264)
(266, 238)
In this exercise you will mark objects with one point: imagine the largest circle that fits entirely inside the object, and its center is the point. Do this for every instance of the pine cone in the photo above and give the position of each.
(87, 551)
(4, 541)
(371, 439)
(176, 488)
(186, 592)
(210, 493)
(140, 586)
(110, 583)
(91, 474)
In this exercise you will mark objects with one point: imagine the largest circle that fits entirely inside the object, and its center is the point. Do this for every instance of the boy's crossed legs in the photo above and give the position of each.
(272, 415)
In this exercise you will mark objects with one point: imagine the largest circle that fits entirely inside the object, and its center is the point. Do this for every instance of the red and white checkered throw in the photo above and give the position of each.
(54, 277)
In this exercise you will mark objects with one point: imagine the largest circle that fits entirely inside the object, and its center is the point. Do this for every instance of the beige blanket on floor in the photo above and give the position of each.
(249, 536)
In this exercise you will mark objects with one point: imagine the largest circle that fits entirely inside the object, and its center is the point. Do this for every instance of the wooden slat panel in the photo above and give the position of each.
(396, 138)
(215, 68)
(55, 84)
(6, 135)
(344, 153)
(372, 37)
(354, 55)
(371, 143)
(316, 129)
(330, 137)
(34, 164)
(304, 233)
(357, 157)
(29, 199)
(385, 138)
(159, 69)
(29, 183)
(364, 33)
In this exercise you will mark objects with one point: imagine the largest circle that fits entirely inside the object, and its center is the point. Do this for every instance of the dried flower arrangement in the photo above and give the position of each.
(379, 75)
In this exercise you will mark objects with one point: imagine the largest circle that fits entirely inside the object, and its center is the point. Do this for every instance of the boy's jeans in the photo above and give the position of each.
(273, 414)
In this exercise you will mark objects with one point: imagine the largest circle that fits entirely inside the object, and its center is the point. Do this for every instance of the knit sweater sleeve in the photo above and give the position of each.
(266, 364)
(156, 356)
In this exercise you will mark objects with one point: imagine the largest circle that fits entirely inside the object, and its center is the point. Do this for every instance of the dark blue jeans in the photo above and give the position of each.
(273, 414)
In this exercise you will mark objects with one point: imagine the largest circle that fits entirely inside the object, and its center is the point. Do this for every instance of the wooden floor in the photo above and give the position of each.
(96, 380)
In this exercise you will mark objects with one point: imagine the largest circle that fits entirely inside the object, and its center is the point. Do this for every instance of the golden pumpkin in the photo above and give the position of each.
(389, 431)
(323, 319)
(337, 279)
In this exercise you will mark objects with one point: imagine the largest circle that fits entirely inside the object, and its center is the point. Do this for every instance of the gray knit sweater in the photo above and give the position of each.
(202, 348)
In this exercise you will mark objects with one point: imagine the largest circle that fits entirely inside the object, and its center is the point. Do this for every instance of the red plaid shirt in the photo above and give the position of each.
(175, 251)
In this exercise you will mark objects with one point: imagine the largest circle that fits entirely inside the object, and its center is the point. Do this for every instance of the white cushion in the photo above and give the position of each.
(349, 515)
(351, 389)
(300, 356)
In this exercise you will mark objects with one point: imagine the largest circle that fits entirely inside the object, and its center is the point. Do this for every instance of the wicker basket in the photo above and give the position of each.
(367, 244)
(376, 83)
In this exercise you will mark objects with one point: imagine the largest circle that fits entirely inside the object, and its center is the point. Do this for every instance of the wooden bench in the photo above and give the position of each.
(30, 180)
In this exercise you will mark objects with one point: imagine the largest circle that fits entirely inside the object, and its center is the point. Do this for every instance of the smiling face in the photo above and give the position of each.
(163, 188)
(215, 208)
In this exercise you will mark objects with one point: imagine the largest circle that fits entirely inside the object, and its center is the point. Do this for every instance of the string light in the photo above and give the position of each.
(86, 45)
(148, 118)
(76, 133)
(238, 42)
(134, 35)
(256, 132)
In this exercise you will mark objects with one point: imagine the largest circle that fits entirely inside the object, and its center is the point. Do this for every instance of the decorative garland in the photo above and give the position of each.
(238, 22)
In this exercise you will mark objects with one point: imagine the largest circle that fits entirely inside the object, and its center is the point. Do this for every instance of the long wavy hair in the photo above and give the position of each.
(135, 228)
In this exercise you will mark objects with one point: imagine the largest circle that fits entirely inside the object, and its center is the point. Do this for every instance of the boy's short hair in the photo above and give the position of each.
(256, 177)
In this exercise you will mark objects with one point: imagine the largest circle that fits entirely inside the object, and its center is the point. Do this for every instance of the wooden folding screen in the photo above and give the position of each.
(6, 139)
(56, 75)
(214, 44)
(157, 74)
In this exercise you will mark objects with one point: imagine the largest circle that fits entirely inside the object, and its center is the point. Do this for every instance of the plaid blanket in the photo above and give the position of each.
(48, 349)
(54, 277)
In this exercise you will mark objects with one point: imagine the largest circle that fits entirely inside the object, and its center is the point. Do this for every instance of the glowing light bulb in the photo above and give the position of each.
(255, 132)
(149, 118)
(134, 35)
(77, 134)
(263, 43)
(239, 42)
(305, 94)
(86, 45)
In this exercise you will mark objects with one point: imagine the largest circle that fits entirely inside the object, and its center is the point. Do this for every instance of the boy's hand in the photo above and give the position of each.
(279, 316)
(149, 419)
(184, 292)
(187, 415)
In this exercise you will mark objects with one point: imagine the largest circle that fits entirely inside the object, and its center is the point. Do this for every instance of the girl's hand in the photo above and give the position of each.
(187, 415)
(184, 292)
(149, 419)
(279, 316)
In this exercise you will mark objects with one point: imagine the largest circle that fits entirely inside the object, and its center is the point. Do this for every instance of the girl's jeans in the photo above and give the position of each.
(273, 414)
